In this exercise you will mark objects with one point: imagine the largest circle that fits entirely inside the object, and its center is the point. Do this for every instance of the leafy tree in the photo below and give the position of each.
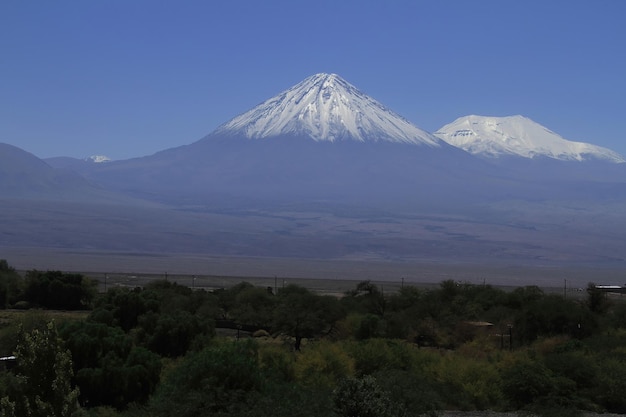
(10, 284)
(596, 299)
(125, 305)
(523, 296)
(552, 315)
(109, 369)
(218, 379)
(301, 313)
(171, 334)
(254, 306)
(43, 377)
(366, 298)
(57, 290)
(227, 298)
(371, 326)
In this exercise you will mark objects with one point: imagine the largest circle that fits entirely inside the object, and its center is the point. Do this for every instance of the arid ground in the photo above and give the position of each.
(203, 271)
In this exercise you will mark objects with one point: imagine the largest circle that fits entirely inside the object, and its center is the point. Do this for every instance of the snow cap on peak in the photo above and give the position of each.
(98, 159)
(520, 136)
(325, 107)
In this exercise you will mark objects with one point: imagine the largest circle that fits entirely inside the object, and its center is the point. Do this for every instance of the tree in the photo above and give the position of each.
(44, 373)
(126, 305)
(109, 369)
(552, 315)
(218, 379)
(368, 298)
(301, 313)
(596, 299)
(57, 290)
(171, 334)
(10, 284)
(253, 306)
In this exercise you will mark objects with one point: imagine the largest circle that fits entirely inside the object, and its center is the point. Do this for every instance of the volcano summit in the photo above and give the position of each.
(325, 107)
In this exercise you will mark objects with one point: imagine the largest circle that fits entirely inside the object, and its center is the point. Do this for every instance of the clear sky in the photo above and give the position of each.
(128, 78)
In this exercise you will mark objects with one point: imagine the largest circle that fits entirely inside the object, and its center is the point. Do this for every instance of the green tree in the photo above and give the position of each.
(172, 334)
(109, 369)
(596, 299)
(125, 306)
(218, 379)
(58, 290)
(44, 373)
(10, 285)
(552, 315)
(254, 306)
(366, 298)
(303, 314)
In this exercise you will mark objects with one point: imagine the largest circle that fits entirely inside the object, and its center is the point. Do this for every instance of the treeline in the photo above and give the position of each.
(166, 349)
(49, 290)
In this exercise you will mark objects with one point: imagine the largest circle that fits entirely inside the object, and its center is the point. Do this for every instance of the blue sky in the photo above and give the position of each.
(128, 78)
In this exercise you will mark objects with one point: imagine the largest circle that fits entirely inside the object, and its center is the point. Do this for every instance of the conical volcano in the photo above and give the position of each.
(320, 140)
(325, 107)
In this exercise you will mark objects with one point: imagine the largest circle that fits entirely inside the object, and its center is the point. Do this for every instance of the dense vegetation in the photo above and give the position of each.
(166, 349)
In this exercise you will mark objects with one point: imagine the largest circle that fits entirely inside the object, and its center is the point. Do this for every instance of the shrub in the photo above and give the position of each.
(218, 379)
(363, 397)
(323, 364)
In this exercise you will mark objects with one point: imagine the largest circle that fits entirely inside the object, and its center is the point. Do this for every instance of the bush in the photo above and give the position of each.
(323, 364)
(218, 379)
(415, 393)
(363, 397)
(375, 355)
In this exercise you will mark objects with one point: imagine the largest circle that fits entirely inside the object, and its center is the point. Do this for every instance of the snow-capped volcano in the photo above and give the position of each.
(518, 135)
(325, 107)
(98, 159)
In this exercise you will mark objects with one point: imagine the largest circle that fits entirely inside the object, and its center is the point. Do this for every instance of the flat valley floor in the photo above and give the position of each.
(323, 275)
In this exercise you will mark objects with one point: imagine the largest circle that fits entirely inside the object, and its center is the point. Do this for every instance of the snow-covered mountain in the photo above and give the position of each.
(98, 159)
(325, 107)
(520, 136)
(320, 140)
